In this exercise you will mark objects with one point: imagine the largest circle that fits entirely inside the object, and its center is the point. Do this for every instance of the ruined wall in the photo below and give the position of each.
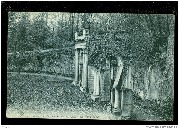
(104, 83)
(151, 84)
(90, 79)
(105, 87)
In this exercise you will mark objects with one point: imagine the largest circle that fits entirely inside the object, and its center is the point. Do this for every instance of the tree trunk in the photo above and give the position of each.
(145, 84)
(148, 82)
(62, 22)
(72, 32)
(170, 55)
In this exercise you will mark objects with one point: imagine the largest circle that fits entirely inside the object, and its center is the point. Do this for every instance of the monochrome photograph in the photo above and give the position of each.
(99, 66)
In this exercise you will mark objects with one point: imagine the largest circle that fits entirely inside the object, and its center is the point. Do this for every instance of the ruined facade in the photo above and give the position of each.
(87, 77)
(98, 82)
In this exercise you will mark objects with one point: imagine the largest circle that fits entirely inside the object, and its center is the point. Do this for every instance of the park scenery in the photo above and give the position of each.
(105, 66)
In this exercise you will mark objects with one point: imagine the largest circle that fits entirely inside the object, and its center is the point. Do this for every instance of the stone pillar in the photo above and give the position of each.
(85, 70)
(116, 101)
(126, 80)
(112, 90)
(95, 81)
(80, 67)
(97, 84)
(76, 66)
(129, 86)
(96, 89)
(101, 83)
(122, 99)
(112, 74)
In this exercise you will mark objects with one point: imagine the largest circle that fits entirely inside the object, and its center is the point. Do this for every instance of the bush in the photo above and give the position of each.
(164, 109)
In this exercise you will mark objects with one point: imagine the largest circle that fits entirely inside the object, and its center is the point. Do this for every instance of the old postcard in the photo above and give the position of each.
(101, 66)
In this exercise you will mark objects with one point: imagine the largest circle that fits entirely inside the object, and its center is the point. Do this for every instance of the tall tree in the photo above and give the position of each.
(40, 32)
(12, 31)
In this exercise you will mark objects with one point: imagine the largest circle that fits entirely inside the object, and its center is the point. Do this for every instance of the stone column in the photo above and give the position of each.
(112, 97)
(129, 78)
(76, 66)
(85, 70)
(122, 99)
(95, 81)
(116, 101)
(112, 92)
(112, 73)
(80, 67)
(96, 89)
(101, 83)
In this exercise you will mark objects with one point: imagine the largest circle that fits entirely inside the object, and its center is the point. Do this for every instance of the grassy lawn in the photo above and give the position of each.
(36, 96)
(49, 97)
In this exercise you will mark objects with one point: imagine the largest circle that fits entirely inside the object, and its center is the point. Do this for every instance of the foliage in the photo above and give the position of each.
(142, 40)
(39, 92)
(40, 32)
(159, 108)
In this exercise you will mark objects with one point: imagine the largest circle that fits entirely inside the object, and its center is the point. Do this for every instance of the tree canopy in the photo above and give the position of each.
(140, 39)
